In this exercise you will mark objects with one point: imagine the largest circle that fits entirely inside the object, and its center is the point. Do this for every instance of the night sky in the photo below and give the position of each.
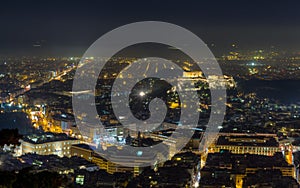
(69, 27)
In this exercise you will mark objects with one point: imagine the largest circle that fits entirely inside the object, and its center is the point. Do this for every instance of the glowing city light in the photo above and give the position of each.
(142, 94)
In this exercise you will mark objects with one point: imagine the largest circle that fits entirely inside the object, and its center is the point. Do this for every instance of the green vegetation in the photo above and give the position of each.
(9, 136)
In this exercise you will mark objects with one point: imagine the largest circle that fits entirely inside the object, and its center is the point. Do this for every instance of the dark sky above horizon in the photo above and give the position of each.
(70, 27)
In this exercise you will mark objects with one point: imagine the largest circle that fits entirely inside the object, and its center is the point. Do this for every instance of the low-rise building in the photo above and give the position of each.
(229, 169)
(242, 144)
(112, 160)
(48, 144)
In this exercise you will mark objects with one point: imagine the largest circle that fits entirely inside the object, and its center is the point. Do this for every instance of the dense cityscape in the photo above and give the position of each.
(39, 132)
(43, 142)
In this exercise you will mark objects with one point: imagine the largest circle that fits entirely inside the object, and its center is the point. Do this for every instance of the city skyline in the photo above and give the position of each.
(194, 94)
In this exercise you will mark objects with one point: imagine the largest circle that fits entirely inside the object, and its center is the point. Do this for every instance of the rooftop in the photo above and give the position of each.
(46, 137)
(262, 141)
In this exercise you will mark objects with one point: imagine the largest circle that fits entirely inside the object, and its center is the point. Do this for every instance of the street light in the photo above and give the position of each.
(142, 93)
